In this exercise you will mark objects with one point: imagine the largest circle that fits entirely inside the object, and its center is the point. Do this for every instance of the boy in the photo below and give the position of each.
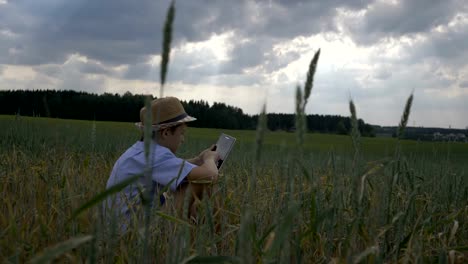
(167, 170)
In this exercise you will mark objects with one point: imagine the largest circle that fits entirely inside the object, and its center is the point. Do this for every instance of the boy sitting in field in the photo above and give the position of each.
(167, 170)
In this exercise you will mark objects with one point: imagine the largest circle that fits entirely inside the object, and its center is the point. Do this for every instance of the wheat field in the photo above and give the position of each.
(394, 202)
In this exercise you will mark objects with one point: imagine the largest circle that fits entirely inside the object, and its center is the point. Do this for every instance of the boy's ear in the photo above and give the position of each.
(160, 134)
(165, 132)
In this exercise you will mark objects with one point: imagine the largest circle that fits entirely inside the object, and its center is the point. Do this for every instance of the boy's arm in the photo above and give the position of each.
(199, 159)
(208, 171)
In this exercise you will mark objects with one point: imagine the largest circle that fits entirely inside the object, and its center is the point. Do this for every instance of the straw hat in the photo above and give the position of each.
(165, 112)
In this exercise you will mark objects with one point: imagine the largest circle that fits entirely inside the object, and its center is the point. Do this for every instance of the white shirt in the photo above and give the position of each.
(166, 169)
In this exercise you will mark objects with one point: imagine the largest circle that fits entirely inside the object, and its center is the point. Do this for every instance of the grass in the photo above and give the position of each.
(302, 207)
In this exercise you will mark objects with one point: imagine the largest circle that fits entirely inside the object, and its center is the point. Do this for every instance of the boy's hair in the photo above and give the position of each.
(172, 129)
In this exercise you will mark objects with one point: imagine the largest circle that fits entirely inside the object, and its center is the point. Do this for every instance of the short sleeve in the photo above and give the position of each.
(171, 170)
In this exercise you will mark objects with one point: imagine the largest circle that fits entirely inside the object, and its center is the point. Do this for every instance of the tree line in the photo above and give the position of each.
(126, 108)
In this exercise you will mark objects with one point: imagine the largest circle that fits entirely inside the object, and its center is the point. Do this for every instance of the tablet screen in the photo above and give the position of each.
(223, 147)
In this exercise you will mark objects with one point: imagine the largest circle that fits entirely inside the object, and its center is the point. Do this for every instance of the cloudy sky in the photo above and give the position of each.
(245, 53)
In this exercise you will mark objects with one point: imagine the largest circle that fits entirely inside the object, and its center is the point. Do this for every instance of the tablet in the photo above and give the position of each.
(223, 147)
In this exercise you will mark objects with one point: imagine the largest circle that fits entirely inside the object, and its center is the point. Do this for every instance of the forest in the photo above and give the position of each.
(70, 104)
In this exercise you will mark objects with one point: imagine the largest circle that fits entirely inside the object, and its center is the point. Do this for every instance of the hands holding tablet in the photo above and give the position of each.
(217, 152)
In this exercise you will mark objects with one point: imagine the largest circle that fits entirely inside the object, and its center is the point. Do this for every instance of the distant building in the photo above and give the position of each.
(451, 137)
(437, 136)
(459, 137)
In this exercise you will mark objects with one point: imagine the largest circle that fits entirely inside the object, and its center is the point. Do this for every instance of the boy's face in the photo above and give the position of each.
(173, 140)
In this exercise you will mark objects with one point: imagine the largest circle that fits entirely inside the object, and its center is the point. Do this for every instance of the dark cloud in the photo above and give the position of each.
(126, 32)
(51, 70)
(384, 19)
(448, 47)
(463, 84)
(116, 32)
(246, 55)
(140, 71)
(234, 80)
(295, 18)
(95, 68)
(428, 101)
(110, 31)
(75, 64)
(409, 16)
(74, 80)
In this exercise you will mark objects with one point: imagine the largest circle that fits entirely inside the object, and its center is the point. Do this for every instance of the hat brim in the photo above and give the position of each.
(157, 127)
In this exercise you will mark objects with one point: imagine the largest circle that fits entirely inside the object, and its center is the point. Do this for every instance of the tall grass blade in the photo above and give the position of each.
(173, 219)
(405, 117)
(50, 254)
(148, 130)
(453, 232)
(300, 119)
(310, 78)
(370, 172)
(260, 134)
(166, 44)
(373, 250)
(304, 170)
(148, 172)
(261, 128)
(244, 243)
(282, 232)
(103, 195)
(355, 135)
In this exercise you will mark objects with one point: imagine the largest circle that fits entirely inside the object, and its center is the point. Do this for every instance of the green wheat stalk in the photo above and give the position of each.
(300, 118)
(405, 117)
(261, 127)
(167, 37)
(303, 97)
(310, 78)
(355, 135)
(260, 134)
(49, 254)
(166, 45)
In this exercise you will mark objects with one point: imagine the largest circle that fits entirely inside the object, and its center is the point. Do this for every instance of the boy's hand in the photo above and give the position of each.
(207, 171)
(207, 155)
(210, 149)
